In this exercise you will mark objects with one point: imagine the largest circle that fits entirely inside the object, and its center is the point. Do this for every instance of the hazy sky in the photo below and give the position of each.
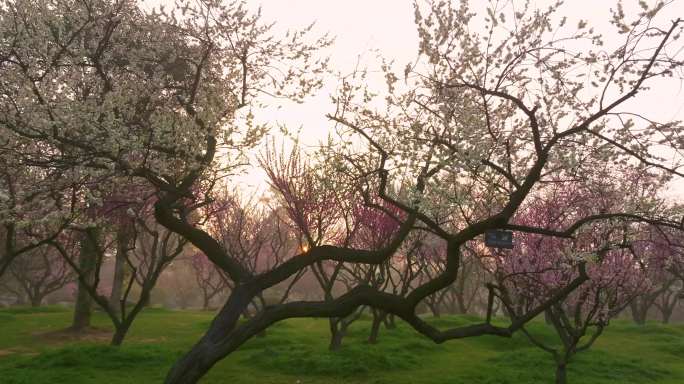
(387, 25)
(360, 26)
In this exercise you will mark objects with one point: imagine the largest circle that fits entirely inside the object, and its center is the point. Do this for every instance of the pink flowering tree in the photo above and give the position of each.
(610, 255)
(316, 215)
(540, 268)
(312, 210)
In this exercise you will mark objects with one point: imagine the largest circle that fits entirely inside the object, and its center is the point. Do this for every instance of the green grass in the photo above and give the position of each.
(295, 351)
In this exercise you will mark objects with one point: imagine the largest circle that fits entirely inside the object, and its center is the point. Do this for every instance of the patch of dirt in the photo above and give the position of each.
(66, 335)
(19, 350)
(155, 340)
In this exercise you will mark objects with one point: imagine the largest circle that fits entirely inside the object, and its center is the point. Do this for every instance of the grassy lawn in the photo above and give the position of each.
(33, 351)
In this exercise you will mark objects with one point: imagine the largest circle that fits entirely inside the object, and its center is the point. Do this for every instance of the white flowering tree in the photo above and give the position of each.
(484, 120)
(35, 205)
(490, 114)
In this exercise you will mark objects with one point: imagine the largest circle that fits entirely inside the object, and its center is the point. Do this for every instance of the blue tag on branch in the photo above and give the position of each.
(497, 238)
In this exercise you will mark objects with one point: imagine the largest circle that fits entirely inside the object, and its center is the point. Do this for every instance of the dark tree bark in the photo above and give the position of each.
(336, 335)
(378, 319)
(120, 333)
(547, 319)
(37, 300)
(667, 314)
(561, 373)
(339, 326)
(390, 322)
(123, 239)
(211, 347)
(86, 262)
(667, 301)
(434, 308)
(639, 310)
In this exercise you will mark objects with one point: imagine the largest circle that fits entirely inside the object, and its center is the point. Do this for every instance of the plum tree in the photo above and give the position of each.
(482, 123)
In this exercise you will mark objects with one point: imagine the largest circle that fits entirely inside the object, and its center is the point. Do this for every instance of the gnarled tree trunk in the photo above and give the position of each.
(222, 338)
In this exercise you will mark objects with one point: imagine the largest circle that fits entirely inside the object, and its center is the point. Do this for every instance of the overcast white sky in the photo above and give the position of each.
(360, 26)
(387, 25)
